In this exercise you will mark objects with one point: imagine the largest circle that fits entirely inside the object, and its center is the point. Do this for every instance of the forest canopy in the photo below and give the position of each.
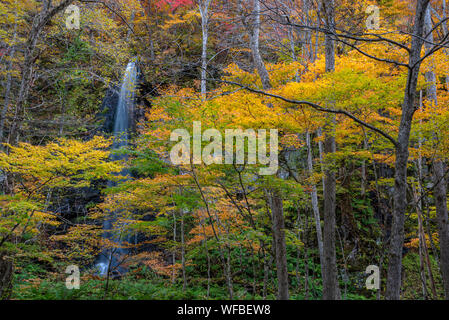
(210, 149)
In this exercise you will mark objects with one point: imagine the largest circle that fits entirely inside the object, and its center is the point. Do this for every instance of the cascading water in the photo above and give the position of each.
(122, 123)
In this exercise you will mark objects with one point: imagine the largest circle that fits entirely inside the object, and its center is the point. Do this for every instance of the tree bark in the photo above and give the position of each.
(402, 153)
(275, 197)
(330, 281)
(174, 249)
(255, 51)
(183, 254)
(279, 241)
(204, 11)
(314, 199)
(6, 99)
(442, 221)
(6, 275)
(438, 170)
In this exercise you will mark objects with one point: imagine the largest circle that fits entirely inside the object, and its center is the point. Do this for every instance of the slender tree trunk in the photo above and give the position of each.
(265, 274)
(422, 243)
(183, 253)
(226, 274)
(314, 198)
(6, 99)
(306, 258)
(330, 281)
(174, 249)
(254, 44)
(421, 235)
(443, 222)
(206, 249)
(445, 30)
(253, 264)
(400, 196)
(204, 11)
(6, 276)
(279, 240)
(440, 192)
(299, 225)
(319, 133)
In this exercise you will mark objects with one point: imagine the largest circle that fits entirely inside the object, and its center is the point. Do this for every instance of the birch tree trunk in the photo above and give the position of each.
(255, 50)
(204, 11)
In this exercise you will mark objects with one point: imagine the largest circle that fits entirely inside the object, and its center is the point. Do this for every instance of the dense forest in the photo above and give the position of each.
(224, 149)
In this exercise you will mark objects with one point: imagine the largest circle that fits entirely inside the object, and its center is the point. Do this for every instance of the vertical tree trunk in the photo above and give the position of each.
(306, 258)
(183, 255)
(253, 265)
(6, 274)
(422, 247)
(206, 249)
(443, 222)
(174, 249)
(275, 197)
(330, 281)
(445, 30)
(6, 99)
(265, 274)
(279, 240)
(254, 44)
(422, 239)
(400, 180)
(438, 170)
(314, 197)
(299, 225)
(204, 11)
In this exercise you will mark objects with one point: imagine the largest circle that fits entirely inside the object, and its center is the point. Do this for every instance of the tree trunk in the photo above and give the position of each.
(400, 180)
(443, 222)
(6, 276)
(276, 200)
(279, 241)
(174, 249)
(204, 11)
(6, 99)
(254, 44)
(438, 170)
(183, 254)
(314, 198)
(265, 274)
(330, 281)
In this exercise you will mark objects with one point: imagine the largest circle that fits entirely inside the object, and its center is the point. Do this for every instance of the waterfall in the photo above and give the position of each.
(123, 121)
